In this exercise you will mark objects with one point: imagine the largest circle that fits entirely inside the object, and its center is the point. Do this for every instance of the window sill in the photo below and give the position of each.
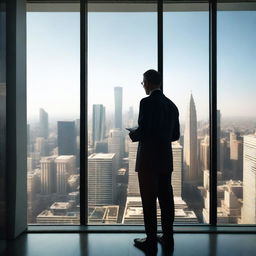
(139, 229)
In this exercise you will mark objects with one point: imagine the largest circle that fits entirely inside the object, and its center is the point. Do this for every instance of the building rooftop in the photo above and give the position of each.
(60, 206)
(102, 156)
(48, 158)
(103, 214)
(176, 144)
(65, 157)
(133, 213)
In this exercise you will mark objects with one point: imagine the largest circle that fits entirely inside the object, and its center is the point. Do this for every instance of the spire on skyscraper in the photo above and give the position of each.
(190, 143)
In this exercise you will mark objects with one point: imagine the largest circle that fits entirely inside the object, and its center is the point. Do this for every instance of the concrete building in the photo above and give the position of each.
(205, 153)
(229, 200)
(177, 169)
(236, 156)
(59, 213)
(48, 175)
(107, 214)
(133, 184)
(249, 180)
(116, 145)
(65, 167)
(133, 213)
(101, 179)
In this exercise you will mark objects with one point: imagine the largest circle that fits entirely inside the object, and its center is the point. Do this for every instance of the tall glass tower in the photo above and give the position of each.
(43, 119)
(118, 107)
(98, 123)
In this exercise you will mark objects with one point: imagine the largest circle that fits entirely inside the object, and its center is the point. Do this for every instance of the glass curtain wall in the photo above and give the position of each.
(236, 112)
(186, 83)
(122, 45)
(122, 42)
(53, 112)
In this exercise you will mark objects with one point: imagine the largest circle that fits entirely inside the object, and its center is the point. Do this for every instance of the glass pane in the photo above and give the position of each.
(186, 83)
(53, 82)
(236, 104)
(122, 46)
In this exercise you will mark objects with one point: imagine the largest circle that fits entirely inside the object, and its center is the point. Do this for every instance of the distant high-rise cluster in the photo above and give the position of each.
(113, 188)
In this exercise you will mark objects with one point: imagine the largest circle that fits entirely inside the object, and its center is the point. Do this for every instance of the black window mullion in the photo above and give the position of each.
(83, 115)
(160, 38)
(213, 109)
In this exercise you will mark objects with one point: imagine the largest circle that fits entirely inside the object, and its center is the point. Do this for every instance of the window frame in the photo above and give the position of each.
(213, 226)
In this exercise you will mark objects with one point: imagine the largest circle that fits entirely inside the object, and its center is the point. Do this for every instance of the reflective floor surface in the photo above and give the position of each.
(122, 245)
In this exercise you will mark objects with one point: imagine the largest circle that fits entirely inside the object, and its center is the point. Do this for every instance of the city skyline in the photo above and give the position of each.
(118, 54)
(53, 174)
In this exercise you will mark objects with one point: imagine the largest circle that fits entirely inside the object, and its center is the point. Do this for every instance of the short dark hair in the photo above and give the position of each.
(153, 77)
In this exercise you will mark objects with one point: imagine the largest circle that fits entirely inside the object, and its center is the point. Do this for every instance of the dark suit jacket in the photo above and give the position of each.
(158, 127)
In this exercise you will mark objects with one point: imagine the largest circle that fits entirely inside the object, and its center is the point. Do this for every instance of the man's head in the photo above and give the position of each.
(151, 80)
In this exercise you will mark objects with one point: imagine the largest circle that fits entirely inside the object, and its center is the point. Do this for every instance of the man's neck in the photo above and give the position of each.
(156, 89)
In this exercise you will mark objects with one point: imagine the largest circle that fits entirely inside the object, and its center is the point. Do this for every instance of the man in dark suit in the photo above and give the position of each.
(158, 126)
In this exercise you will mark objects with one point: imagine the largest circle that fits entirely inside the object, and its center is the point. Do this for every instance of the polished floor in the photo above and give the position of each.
(122, 245)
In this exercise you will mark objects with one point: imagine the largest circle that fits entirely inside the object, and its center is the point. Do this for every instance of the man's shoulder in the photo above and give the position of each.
(171, 103)
(145, 100)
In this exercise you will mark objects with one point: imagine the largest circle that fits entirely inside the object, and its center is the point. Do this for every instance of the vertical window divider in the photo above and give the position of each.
(213, 109)
(83, 114)
(160, 39)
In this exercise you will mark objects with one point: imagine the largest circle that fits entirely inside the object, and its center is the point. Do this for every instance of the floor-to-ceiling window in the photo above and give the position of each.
(186, 83)
(122, 45)
(236, 113)
(53, 112)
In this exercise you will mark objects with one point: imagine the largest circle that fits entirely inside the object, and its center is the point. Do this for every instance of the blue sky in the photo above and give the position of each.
(123, 45)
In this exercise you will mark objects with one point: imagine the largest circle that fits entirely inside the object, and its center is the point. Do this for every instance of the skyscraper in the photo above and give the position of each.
(66, 138)
(65, 168)
(116, 144)
(190, 144)
(133, 184)
(177, 169)
(118, 107)
(41, 146)
(101, 179)
(236, 156)
(205, 153)
(48, 175)
(98, 123)
(43, 123)
(249, 180)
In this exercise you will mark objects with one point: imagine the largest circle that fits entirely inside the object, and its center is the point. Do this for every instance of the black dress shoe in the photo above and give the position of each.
(147, 245)
(167, 242)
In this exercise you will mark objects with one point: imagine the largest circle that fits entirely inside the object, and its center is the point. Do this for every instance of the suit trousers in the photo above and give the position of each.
(155, 185)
